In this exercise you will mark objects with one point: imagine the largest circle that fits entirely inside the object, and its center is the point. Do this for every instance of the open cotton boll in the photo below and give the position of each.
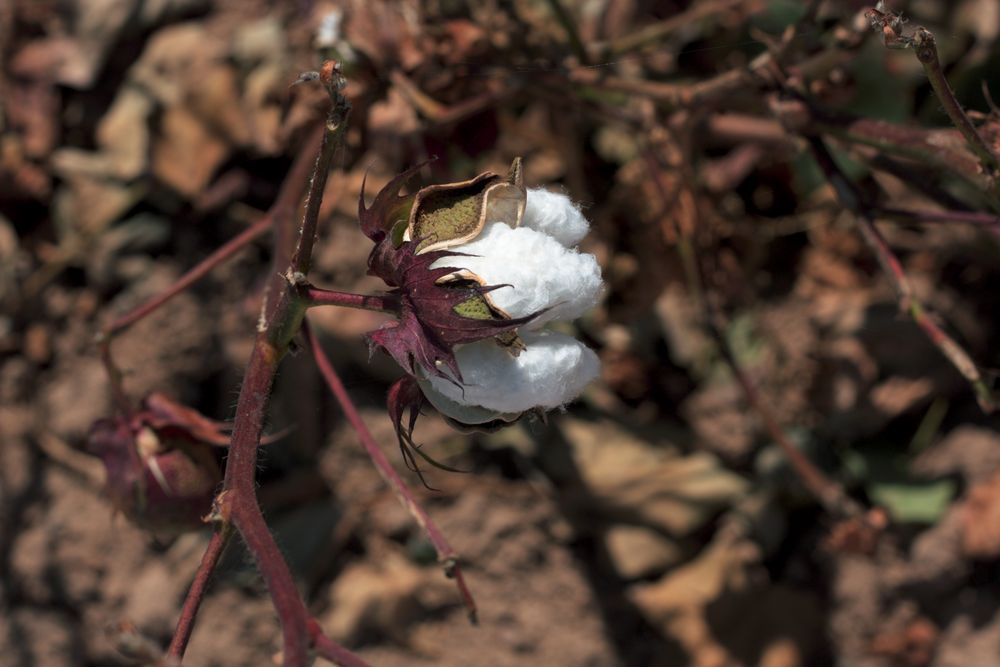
(541, 273)
(555, 215)
(551, 371)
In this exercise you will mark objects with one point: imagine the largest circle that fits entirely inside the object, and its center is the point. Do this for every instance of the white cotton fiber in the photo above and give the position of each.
(555, 215)
(541, 273)
(551, 371)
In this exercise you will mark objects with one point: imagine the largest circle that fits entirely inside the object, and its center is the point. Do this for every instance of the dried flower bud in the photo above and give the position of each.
(161, 470)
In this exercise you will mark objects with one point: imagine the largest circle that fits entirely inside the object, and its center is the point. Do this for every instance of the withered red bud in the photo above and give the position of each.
(161, 469)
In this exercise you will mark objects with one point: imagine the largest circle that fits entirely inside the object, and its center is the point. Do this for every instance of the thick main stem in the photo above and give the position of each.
(241, 467)
(288, 603)
(331, 650)
(280, 322)
(272, 342)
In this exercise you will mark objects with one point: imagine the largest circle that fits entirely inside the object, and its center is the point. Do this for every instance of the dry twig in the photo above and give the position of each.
(852, 199)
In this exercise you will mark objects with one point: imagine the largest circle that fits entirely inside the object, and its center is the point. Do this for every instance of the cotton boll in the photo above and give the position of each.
(555, 215)
(469, 415)
(551, 371)
(541, 273)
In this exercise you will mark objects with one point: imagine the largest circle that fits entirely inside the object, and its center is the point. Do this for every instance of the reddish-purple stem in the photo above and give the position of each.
(925, 47)
(281, 211)
(335, 123)
(237, 503)
(185, 624)
(198, 272)
(279, 215)
(446, 555)
(288, 603)
(324, 297)
(239, 487)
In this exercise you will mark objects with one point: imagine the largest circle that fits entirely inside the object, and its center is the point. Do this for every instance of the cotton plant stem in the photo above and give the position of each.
(104, 338)
(196, 594)
(239, 489)
(278, 215)
(657, 32)
(737, 128)
(237, 503)
(851, 199)
(446, 555)
(928, 148)
(919, 178)
(315, 296)
(925, 46)
(301, 633)
(273, 338)
(830, 495)
(220, 255)
(336, 124)
(271, 564)
(756, 75)
(282, 210)
(908, 142)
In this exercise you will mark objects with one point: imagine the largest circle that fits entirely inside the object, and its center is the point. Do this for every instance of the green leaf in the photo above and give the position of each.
(885, 471)
(914, 501)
